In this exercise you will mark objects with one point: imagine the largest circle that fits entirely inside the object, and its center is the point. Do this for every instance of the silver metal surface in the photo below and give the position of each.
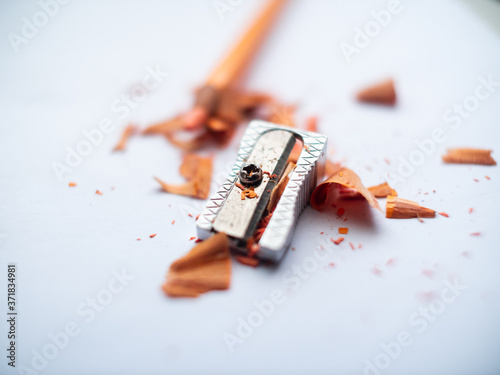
(239, 218)
(310, 167)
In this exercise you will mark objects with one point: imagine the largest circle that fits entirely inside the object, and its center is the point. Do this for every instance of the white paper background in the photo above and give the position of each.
(67, 241)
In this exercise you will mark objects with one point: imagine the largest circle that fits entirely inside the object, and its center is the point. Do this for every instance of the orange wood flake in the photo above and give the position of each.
(337, 241)
(127, 133)
(72, 184)
(206, 267)
(469, 156)
(399, 208)
(443, 214)
(343, 230)
(98, 192)
(198, 171)
(381, 93)
(382, 190)
(152, 235)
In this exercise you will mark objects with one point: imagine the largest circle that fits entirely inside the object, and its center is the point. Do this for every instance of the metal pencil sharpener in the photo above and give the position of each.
(262, 159)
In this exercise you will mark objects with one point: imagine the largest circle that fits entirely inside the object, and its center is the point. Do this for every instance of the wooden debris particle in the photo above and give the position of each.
(360, 246)
(312, 124)
(376, 271)
(192, 238)
(152, 235)
(198, 171)
(72, 184)
(382, 190)
(390, 261)
(471, 210)
(98, 192)
(342, 178)
(487, 177)
(127, 133)
(399, 208)
(476, 180)
(322, 232)
(337, 241)
(340, 211)
(343, 230)
(138, 239)
(352, 246)
(469, 156)
(173, 222)
(381, 93)
(247, 261)
(443, 214)
(475, 234)
(165, 127)
(206, 267)
(190, 215)
(248, 193)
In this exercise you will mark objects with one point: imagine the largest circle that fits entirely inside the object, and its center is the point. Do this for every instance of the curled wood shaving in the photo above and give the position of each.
(469, 156)
(198, 172)
(127, 133)
(206, 267)
(165, 127)
(381, 93)
(399, 208)
(331, 168)
(344, 177)
(382, 190)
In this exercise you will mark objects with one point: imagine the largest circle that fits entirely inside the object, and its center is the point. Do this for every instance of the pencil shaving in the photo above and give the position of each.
(399, 208)
(381, 93)
(206, 267)
(342, 178)
(382, 190)
(198, 172)
(469, 156)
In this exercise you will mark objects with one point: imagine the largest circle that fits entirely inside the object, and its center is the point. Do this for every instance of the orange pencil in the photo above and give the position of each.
(233, 66)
